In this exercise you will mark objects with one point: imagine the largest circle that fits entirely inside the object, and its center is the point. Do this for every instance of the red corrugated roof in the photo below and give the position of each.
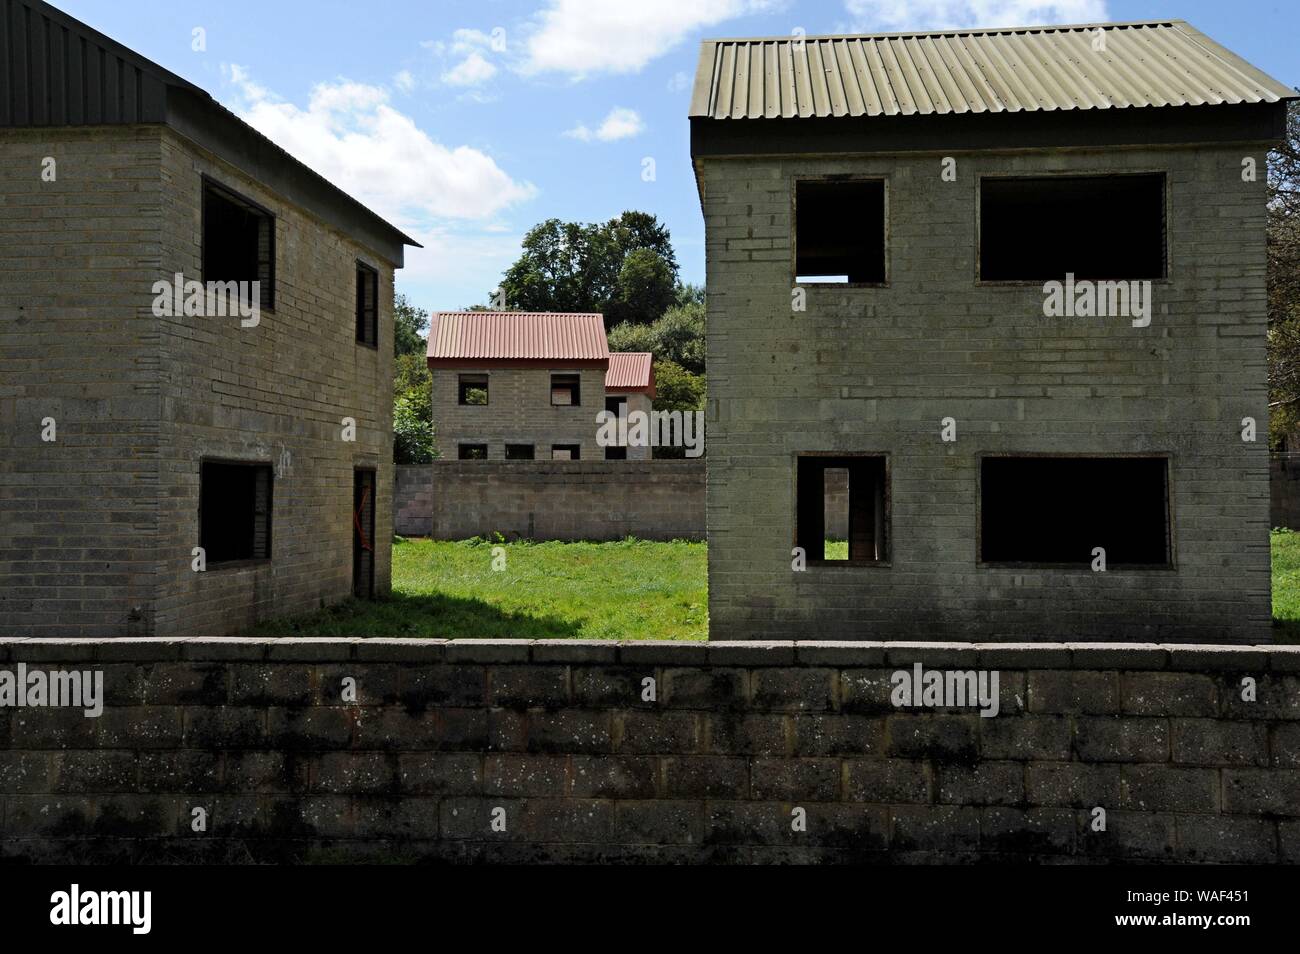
(630, 371)
(517, 336)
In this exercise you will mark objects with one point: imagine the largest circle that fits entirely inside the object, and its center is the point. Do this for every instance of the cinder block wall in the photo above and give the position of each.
(98, 526)
(78, 343)
(563, 744)
(275, 393)
(551, 500)
(876, 369)
(519, 411)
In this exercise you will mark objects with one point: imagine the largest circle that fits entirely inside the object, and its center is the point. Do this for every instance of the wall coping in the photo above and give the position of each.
(1175, 657)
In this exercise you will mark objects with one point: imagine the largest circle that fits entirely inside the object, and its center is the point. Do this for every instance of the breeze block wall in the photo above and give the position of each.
(876, 369)
(276, 393)
(78, 344)
(551, 500)
(519, 411)
(518, 751)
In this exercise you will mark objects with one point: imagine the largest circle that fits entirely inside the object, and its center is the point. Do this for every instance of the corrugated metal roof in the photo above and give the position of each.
(517, 336)
(1156, 63)
(630, 371)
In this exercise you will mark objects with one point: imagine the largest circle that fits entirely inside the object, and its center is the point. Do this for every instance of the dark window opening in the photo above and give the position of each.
(472, 390)
(471, 451)
(367, 305)
(363, 534)
(841, 509)
(238, 242)
(519, 452)
(616, 405)
(566, 452)
(1056, 510)
(234, 511)
(566, 389)
(840, 231)
(1095, 227)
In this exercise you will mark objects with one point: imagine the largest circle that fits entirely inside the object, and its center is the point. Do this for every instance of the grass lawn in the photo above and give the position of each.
(1286, 586)
(630, 589)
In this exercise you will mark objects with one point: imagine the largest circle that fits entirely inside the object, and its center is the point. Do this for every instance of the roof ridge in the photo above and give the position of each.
(952, 31)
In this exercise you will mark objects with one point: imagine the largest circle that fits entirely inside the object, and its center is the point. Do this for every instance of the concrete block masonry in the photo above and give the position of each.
(548, 751)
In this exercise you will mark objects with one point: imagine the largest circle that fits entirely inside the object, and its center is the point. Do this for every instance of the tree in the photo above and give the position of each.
(1284, 281)
(626, 269)
(413, 441)
(409, 324)
(677, 337)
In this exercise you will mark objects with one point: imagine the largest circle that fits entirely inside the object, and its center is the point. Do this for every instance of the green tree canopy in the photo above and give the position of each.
(409, 324)
(624, 268)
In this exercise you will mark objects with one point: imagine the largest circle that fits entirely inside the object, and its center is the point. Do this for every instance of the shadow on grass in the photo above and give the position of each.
(431, 615)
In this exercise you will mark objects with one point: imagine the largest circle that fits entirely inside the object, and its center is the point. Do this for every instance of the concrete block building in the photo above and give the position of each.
(529, 385)
(167, 465)
(1008, 286)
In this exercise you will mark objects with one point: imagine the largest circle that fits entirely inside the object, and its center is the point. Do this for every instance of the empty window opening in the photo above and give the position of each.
(367, 305)
(1095, 227)
(363, 534)
(234, 511)
(471, 451)
(565, 452)
(472, 390)
(1057, 510)
(616, 405)
(840, 231)
(841, 509)
(566, 390)
(519, 452)
(238, 242)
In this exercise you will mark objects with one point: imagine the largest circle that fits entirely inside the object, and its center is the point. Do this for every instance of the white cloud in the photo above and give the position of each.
(620, 123)
(679, 82)
(471, 71)
(351, 135)
(891, 15)
(405, 81)
(581, 37)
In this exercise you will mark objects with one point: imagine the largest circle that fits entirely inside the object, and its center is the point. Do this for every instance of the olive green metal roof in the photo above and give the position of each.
(1092, 66)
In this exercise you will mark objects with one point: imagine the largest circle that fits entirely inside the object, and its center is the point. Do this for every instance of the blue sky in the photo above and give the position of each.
(465, 123)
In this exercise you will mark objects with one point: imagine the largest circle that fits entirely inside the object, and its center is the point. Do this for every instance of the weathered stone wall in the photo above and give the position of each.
(563, 739)
(551, 500)
(875, 370)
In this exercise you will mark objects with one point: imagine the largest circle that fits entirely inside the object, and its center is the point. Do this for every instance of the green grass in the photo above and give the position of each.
(1285, 546)
(630, 589)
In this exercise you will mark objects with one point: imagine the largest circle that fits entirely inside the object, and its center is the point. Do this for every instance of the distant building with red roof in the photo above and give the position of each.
(529, 385)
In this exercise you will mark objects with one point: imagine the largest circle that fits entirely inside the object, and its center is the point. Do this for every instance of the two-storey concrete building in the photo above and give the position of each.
(530, 385)
(178, 454)
(1008, 285)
